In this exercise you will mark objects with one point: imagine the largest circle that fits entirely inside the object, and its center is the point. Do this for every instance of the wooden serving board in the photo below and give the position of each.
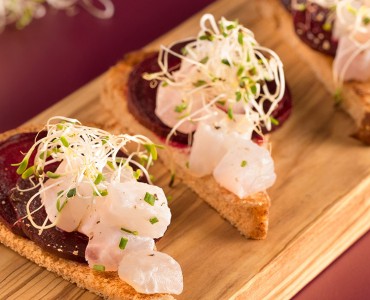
(320, 202)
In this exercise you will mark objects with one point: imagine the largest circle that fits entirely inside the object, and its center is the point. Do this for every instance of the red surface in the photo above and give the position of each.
(56, 55)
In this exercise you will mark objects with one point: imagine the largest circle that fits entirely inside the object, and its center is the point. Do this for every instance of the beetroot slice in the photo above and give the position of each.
(68, 245)
(141, 99)
(313, 28)
(10, 153)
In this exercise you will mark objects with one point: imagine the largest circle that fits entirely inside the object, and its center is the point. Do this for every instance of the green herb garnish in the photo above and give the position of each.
(71, 193)
(199, 83)
(243, 163)
(123, 243)
(130, 231)
(99, 268)
(149, 198)
(153, 220)
(181, 107)
(225, 62)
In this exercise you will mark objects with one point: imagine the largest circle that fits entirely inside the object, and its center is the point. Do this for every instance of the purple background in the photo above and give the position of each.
(58, 54)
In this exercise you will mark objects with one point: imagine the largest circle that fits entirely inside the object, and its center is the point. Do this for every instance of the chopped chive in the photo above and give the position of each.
(22, 166)
(274, 121)
(225, 62)
(238, 95)
(52, 175)
(366, 20)
(199, 83)
(230, 113)
(59, 193)
(71, 193)
(99, 268)
(243, 163)
(30, 171)
(149, 198)
(137, 174)
(101, 193)
(164, 83)
(172, 180)
(221, 102)
(64, 141)
(231, 26)
(129, 231)
(181, 107)
(204, 60)
(240, 38)
(152, 149)
(123, 243)
(98, 179)
(153, 220)
(253, 89)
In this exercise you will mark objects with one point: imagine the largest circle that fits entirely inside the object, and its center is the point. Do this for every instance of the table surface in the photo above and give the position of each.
(58, 54)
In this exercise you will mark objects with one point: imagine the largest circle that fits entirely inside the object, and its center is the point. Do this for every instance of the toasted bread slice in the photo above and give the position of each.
(355, 96)
(105, 284)
(248, 215)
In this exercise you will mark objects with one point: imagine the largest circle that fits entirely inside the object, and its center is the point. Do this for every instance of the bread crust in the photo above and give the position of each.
(249, 215)
(355, 96)
(104, 284)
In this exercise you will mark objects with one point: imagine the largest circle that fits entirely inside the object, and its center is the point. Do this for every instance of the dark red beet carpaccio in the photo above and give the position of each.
(141, 99)
(13, 203)
(314, 25)
(69, 245)
(10, 153)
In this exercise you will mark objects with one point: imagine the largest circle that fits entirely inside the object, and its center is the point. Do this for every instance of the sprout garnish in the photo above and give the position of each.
(228, 73)
(91, 156)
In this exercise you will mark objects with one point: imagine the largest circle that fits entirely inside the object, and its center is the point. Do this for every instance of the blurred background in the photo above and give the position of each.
(55, 55)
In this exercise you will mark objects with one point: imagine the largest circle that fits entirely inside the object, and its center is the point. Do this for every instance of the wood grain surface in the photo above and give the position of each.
(320, 202)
